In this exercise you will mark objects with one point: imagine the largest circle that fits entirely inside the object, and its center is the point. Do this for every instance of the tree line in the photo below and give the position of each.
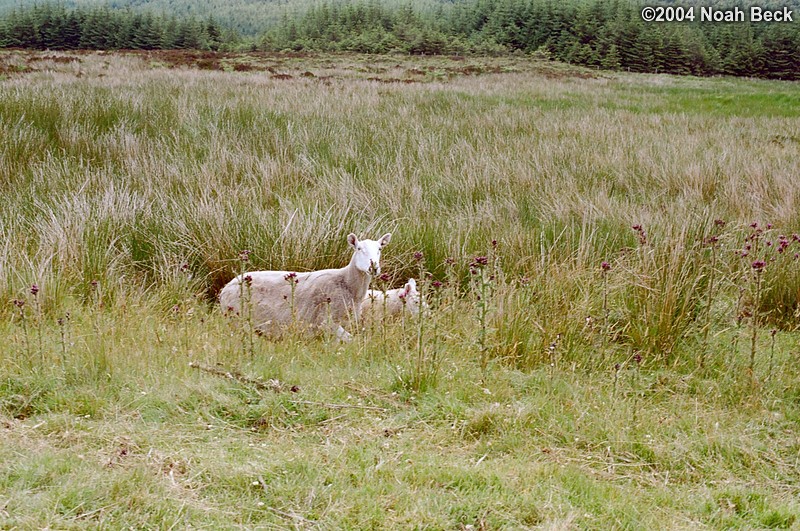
(594, 33)
(55, 27)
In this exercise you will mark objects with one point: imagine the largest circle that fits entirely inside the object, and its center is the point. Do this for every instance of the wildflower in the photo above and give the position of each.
(248, 280)
(769, 226)
(494, 244)
(94, 284)
(384, 277)
(18, 303)
(449, 261)
(605, 266)
(759, 265)
(637, 358)
(524, 281)
(184, 267)
(479, 261)
(418, 256)
(291, 277)
(244, 256)
(436, 284)
(34, 289)
(719, 223)
(754, 225)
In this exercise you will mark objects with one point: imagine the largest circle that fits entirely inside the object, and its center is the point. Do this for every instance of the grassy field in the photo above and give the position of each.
(585, 375)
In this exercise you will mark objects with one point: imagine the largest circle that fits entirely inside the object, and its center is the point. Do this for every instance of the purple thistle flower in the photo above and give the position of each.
(289, 277)
(244, 256)
(479, 261)
(605, 266)
(754, 225)
(759, 265)
(436, 284)
(449, 260)
(637, 358)
(34, 289)
(248, 280)
(94, 284)
(418, 256)
(494, 244)
(184, 267)
(720, 222)
(769, 226)
(18, 303)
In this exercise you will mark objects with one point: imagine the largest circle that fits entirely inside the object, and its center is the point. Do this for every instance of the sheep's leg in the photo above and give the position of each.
(343, 335)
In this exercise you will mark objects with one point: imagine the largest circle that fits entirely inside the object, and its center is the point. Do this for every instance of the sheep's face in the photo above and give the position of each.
(367, 255)
(410, 295)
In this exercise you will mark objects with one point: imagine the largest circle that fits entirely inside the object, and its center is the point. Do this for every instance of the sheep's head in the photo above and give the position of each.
(367, 255)
(410, 296)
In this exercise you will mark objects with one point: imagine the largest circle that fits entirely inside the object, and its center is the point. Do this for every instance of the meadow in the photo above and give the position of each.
(610, 262)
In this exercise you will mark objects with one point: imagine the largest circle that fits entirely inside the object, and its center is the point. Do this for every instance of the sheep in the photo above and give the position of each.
(322, 300)
(397, 301)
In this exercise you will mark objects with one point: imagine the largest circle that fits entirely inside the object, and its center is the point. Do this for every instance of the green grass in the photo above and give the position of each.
(130, 189)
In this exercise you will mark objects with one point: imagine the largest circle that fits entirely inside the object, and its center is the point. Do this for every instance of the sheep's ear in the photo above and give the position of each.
(352, 239)
(385, 239)
(411, 285)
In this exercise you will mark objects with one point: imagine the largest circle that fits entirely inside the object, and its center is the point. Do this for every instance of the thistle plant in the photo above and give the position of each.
(483, 282)
(637, 358)
(713, 242)
(62, 327)
(605, 267)
(20, 305)
(758, 269)
(38, 314)
(245, 306)
(772, 333)
(292, 280)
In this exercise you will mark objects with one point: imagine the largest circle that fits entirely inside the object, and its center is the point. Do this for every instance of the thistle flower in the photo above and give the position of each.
(759, 265)
(244, 256)
(605, 266)
(449, 261)
(248, 280)
(34, 289)
(291, 277)
(384, 277)
(637, 358)
(418, 256)
(479, 261)
(18, 303)
(436, 284)
(719, 223)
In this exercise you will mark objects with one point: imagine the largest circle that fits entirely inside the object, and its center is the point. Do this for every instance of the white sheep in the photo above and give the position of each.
(322, 300)
(397, 301)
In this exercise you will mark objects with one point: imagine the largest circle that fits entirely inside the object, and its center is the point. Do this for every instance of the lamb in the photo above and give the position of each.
(322, 300)
(405, 299)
